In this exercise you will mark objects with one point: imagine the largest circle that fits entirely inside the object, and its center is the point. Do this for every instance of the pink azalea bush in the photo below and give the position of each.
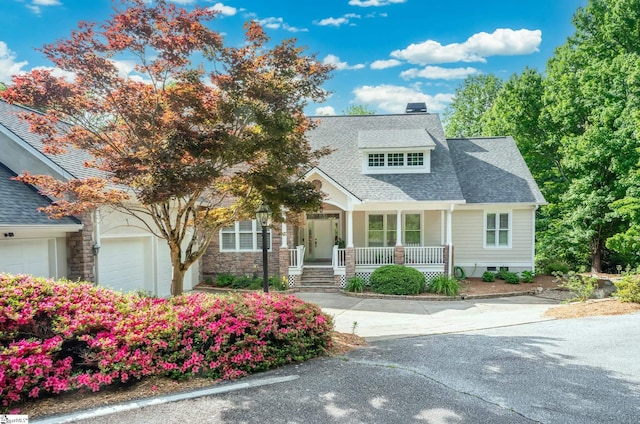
(62, 336)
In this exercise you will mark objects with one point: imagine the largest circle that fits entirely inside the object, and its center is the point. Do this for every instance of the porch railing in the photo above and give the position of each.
(296, 258)
(339, 258)
(424, 255)
(374, 255)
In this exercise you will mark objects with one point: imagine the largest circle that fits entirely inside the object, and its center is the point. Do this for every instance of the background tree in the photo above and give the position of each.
(174, 145)
(358, 110)
(591, 111)
(463, 116)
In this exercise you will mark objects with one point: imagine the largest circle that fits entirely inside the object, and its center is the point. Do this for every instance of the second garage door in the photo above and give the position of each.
(124, 264)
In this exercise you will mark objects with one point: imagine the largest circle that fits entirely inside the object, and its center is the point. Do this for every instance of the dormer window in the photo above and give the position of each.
(395, 151)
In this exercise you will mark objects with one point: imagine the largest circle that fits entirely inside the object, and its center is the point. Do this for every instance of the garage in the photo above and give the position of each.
(124, 264)
(28, 257)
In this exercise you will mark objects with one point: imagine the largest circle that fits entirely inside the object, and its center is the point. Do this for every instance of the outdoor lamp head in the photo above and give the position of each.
(263, 215)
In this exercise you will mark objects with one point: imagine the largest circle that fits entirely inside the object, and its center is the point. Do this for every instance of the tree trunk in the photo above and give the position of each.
(596, 255)
(177, 280)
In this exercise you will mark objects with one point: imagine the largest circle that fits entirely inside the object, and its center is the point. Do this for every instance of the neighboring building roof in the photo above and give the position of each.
(72, 161)
(344, 165)
(492, 170)
(22, 202)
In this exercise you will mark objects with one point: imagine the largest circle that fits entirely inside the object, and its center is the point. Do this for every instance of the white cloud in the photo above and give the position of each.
(375, 3)
(332, 21)
(438, 72)
(384, 64)
(8, 65)
(344, 19)
(325, 110)
(502, 42)
(278, 23)
(182, 1)
(339, 65)
(394, 98)
(505, 42)
(224, 10)
(35, 5)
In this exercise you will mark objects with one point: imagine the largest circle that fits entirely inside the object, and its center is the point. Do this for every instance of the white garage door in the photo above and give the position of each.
(122, 263)
(25, 257)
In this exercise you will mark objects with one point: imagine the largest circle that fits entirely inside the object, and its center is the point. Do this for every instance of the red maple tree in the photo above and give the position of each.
(196, 124)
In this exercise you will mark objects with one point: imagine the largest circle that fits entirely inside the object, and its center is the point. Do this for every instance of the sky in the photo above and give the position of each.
(387, 53)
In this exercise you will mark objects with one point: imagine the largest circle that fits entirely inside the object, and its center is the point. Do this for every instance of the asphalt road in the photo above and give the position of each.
(564, 371)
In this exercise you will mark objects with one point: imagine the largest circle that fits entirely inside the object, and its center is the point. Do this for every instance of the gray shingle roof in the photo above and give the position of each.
(20, 203)
(345, 164)
(482, 170)
(492, 170)
(72, 161)
(377, 139)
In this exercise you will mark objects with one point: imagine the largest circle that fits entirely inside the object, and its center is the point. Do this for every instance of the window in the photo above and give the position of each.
(412, 162)
(383, 230)
(243, 236)
(497, 230)
(415, 159)
(395, 159)
(376, 159)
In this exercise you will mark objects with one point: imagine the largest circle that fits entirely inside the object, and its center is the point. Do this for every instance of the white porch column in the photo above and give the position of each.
(349, 228)
(449, 232)
(284, 235)
(398, 228)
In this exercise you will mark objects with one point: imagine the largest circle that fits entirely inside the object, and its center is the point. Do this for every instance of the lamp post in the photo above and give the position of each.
(263, 216)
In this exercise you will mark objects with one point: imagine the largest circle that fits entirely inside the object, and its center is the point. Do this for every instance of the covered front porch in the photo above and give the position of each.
(329, 242)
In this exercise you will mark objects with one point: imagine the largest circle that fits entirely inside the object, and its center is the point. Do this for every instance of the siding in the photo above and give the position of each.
(468, 241)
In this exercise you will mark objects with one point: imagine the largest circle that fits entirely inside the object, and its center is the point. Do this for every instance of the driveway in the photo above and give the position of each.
(571, 371)
(378, 319)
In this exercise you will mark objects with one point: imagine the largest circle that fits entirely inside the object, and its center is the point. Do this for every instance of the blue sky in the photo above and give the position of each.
(387, 52)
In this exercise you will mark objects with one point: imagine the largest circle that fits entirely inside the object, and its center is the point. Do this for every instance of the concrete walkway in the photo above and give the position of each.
(378, 319)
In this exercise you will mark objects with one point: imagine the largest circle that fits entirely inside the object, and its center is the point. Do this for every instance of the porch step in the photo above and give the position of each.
(317, 278)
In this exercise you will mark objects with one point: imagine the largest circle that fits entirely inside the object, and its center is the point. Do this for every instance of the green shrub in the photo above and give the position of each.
(488, 277)
(628, 289)
(397, 279)
(527, 276)
(582, 287)
(224, 279)
(355, 284)
(510, 277)
(444, 285)
(500, 275)
(553, 267)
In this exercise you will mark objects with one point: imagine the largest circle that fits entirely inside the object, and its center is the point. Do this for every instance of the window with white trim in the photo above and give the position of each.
(382, 229)
(497, 229)
(243, 236)
(394, 162)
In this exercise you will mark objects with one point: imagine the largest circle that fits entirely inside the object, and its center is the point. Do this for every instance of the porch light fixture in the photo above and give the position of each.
(95, 249)
(263, 216)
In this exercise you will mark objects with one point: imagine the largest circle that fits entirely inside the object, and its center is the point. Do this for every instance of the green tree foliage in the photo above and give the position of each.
(358, 110)
(591, 112)
(463, 117)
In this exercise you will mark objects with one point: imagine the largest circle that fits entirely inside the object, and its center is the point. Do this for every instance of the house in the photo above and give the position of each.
(397, 191)
(103, 246)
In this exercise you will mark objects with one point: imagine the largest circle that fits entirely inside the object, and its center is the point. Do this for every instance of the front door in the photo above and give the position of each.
(321, 235)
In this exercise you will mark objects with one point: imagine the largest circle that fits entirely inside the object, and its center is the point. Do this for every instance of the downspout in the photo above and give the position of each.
(449, 244)
(96, 245)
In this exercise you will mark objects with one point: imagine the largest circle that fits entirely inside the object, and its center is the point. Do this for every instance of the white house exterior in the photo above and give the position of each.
(397, 191)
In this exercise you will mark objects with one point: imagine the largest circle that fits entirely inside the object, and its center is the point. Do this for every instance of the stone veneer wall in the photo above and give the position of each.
(80, 258)
(215, 262)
